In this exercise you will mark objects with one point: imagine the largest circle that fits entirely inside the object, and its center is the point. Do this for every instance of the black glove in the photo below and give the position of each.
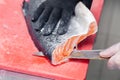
(51, 11)
(87, 3)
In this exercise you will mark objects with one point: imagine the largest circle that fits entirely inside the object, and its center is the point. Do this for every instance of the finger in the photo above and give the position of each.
(38, 12)
(114, 61)
(44, 18)
(52, 22)
(110, 51)
(63, 26)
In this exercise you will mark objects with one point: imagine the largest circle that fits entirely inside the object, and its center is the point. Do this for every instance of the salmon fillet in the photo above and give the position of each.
(59, 47)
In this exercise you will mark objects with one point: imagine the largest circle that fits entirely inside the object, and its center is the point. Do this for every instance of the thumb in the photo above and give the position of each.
(110, 51)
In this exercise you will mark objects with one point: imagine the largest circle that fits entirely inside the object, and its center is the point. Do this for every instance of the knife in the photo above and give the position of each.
(81, 54)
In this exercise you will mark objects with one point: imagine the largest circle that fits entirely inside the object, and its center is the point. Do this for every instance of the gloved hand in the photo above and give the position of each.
(51, 11)
(114, 53)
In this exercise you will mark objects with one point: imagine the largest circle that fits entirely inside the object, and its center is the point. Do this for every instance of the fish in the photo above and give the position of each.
(57, 48)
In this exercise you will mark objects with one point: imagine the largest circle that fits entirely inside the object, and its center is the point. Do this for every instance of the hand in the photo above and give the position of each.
(114, 53)
(51, 11)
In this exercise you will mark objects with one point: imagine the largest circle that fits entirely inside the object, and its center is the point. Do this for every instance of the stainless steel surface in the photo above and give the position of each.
(9, 75)
(108, 34)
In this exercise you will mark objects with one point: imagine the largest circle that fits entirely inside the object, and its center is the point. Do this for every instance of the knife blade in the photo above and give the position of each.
(86, 54)
(81, 54)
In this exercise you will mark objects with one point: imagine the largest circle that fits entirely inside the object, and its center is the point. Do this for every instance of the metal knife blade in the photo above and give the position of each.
(81, 54)
(86, 54)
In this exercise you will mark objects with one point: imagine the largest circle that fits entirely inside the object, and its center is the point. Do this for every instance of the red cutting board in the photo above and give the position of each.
(17, 47)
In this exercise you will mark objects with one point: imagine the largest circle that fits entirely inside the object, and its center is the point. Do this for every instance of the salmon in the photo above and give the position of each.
(57, 48)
